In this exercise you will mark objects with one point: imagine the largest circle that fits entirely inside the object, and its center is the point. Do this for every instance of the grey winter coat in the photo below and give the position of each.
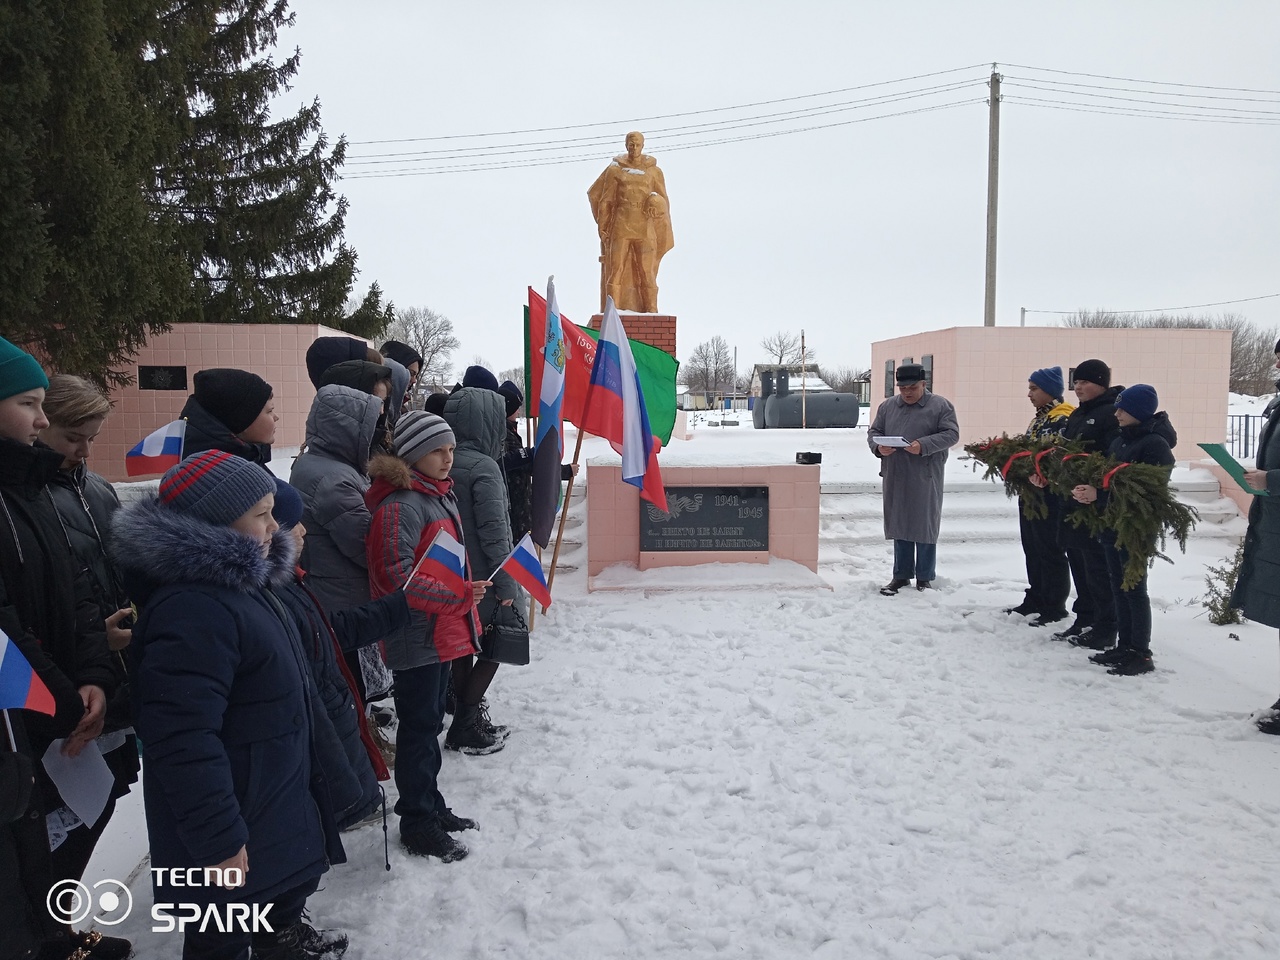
(912, 484)
(331, 476)
(1257, 591)
(478, 418)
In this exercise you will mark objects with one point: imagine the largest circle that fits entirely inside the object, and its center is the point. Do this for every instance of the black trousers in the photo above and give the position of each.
(1048, 572)
(1095, 606)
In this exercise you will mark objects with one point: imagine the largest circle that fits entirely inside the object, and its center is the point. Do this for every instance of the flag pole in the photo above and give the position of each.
(13, 741)
(564, 511)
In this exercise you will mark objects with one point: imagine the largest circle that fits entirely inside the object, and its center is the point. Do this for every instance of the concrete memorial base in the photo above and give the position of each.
(740, 515)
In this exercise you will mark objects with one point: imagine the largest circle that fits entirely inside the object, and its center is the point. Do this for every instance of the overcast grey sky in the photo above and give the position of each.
(855, 232)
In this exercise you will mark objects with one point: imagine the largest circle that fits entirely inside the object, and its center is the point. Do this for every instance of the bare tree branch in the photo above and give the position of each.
(431, 334)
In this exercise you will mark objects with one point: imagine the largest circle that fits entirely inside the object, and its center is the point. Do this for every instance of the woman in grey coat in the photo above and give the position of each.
(478, 418)
(1257, 590)
(912, 475)
(331, 474)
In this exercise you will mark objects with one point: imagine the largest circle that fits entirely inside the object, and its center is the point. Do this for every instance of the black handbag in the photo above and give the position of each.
(504, 641)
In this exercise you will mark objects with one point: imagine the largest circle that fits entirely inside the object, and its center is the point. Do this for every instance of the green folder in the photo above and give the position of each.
(1229, 464)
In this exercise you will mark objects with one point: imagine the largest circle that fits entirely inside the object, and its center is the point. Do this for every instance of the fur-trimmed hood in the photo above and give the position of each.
(390, 473)
(155, 546)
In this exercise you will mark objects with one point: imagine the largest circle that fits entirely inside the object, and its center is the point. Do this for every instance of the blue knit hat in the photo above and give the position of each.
(19, 371)
(288, 505)
(215, 487)
(1049, 379)
(1139, 401)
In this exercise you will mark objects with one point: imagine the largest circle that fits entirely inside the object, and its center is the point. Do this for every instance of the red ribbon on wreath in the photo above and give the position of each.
(1004, 471)
(1041, 454)
(1106, 480)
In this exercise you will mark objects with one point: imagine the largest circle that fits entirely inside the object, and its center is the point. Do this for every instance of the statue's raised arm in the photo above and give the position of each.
(633, 216)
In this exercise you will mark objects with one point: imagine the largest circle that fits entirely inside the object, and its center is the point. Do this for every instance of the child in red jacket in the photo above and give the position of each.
(411, 500)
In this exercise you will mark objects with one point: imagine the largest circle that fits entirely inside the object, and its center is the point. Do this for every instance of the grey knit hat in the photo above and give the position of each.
(418, 433)
(215, 487)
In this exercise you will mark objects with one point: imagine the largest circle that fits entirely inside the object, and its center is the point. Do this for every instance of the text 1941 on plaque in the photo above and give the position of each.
(707, 518)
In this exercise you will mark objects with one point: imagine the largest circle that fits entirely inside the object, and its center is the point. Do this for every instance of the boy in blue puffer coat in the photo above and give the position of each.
(222, 703)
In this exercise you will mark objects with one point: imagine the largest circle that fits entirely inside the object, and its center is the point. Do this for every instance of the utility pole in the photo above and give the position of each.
(804, 384)
(993, 182)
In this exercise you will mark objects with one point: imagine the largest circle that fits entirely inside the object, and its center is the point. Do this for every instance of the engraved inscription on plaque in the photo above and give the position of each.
(707, 518)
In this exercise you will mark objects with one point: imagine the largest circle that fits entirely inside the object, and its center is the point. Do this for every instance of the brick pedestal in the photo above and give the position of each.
(656, 329)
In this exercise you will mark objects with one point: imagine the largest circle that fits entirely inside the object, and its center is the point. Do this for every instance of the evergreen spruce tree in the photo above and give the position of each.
(86, 271)
(261, 224)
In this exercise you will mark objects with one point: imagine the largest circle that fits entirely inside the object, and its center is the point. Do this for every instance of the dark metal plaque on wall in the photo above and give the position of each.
(162, 378)
(707, 518)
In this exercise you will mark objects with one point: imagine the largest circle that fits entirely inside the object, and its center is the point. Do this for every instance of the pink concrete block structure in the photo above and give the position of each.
(275, 352)
(613, 515)
(983, 371)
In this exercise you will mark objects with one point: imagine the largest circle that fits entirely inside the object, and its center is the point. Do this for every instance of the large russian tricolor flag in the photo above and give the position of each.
(525, 568)
(615, 409)
(157, 451)
(445, 560)
(548, 448)
(21, 686)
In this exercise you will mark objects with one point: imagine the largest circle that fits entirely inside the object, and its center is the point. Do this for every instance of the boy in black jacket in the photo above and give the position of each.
(1145, 437)
(1092, 423)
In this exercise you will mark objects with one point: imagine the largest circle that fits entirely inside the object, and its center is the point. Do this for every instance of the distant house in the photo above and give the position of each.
(811, 382)
(688, 400)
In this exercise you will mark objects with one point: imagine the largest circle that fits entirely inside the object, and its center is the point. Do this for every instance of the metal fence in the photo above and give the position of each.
(1242, 435)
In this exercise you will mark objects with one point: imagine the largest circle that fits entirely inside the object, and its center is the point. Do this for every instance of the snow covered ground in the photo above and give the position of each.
(830, 773)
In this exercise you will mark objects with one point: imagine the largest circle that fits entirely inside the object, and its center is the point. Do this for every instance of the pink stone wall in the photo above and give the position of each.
(984, 370)
(275, 352)
(613, 523)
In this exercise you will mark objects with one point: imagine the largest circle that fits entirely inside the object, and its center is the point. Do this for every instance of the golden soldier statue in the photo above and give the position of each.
(630, 206)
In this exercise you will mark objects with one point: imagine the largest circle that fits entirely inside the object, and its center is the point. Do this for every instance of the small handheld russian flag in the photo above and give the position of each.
(444, 560)
(157, 451)
(21, 686)
(525, 569)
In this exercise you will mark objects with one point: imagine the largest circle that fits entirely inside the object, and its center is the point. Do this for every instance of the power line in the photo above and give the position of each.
(1159, 83)
(1193, 306)
(1160, 103)
(688, 130)
(672, 116)
(1157, 93)
(1109, 111)
(414, 171)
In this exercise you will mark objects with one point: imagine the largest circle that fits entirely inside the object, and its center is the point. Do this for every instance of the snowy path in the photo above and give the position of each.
(840, 776)
(835, 774)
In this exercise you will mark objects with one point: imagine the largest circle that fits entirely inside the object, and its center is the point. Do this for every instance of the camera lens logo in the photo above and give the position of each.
(70, 902)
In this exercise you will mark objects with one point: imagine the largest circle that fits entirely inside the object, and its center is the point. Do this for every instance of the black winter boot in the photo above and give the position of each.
(499, 731)
(467, 735)
(300, 942)
(431, 840)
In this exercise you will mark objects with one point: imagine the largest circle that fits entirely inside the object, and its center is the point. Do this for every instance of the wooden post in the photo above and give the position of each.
(804, 391)
(993, 189)
(564, 512)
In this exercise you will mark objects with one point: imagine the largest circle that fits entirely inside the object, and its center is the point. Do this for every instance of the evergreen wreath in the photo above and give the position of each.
(1015, 459)
(1137, 504)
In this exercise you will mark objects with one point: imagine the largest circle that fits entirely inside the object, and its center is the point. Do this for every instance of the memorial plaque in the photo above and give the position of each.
(162, 378)
(707, 518)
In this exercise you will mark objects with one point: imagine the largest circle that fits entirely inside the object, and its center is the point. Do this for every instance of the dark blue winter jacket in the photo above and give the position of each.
(222, 706)
(348, 767)
(1151, 441)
